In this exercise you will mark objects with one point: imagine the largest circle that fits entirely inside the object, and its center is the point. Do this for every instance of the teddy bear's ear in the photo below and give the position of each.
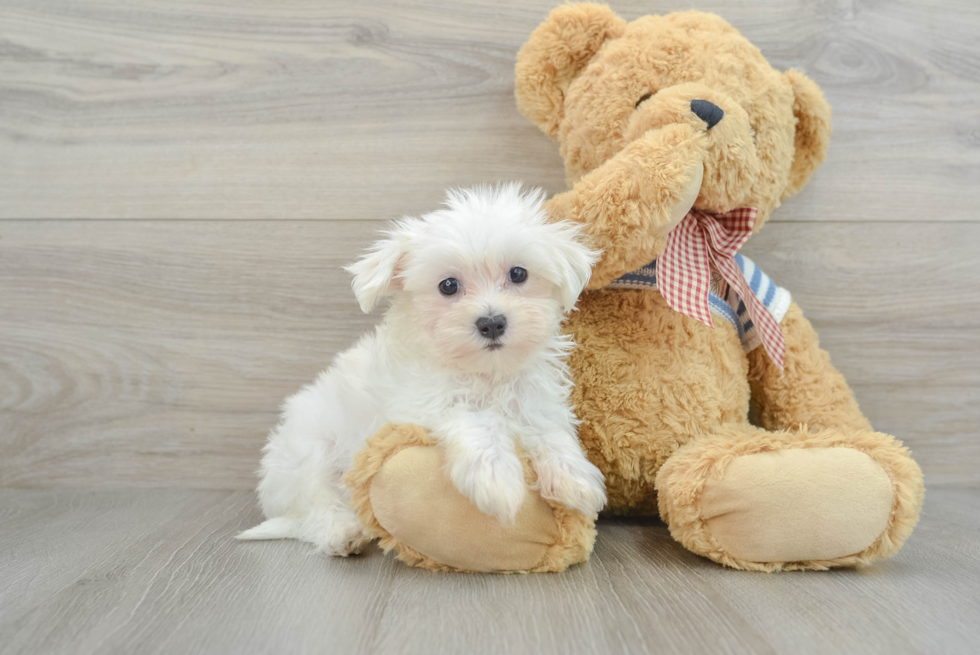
(557, 51)
(812, 129)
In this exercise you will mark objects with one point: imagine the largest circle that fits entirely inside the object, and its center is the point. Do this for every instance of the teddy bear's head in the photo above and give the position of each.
(595, 83)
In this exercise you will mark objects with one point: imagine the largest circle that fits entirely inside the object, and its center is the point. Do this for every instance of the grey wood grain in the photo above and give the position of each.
(300, 109)
(157, 571)
(156, 353)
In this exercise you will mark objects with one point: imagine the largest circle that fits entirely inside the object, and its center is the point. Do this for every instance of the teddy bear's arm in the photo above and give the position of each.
(629, 204)
(808, 391)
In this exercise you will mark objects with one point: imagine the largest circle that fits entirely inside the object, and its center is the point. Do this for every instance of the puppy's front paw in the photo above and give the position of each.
(572, 481)
(493, 480)
(335, 531)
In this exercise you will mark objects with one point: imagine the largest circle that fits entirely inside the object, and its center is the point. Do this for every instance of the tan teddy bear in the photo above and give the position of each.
(679, 140)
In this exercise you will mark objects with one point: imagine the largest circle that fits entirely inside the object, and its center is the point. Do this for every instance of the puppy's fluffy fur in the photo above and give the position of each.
(428, 363)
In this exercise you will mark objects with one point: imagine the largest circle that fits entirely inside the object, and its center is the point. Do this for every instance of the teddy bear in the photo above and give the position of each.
(679, 141)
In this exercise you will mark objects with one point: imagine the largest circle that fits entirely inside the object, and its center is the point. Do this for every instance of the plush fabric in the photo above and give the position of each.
(664, 400)
(782, 520)
(403, 497)
(792, 501)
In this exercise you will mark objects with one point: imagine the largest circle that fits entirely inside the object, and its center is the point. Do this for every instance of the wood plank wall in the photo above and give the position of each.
(180, 182)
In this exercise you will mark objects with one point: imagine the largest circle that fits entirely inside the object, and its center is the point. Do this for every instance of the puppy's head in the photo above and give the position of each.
(481, 285)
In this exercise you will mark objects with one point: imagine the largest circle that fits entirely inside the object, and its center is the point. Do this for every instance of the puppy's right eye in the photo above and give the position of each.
(644, 97)
(449, 286)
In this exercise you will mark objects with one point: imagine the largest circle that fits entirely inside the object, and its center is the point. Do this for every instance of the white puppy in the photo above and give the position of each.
(470, 349)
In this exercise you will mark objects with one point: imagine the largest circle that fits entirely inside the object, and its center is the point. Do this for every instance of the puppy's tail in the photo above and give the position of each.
(281, 527)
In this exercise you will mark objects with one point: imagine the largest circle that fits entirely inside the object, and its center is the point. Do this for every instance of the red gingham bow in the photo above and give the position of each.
(684, 270)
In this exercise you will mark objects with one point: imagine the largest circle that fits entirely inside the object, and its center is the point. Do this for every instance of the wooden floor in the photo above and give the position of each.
(180, 183)
(157, 571)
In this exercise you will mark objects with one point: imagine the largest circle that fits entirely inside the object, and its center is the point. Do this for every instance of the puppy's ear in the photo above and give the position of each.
(573, 261)
(376, 273)
(555, 54)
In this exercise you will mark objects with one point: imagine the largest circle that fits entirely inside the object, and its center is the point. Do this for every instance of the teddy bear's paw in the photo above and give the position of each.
(572, 481)
(493, 480)
(798, 505)
(336, 531)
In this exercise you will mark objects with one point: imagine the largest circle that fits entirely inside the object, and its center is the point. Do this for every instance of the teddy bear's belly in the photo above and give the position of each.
(647, 380)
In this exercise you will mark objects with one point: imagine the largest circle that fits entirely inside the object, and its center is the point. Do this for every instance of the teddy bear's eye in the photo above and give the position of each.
(644, 97)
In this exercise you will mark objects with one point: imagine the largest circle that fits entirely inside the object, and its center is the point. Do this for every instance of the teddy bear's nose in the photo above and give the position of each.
(709, 112)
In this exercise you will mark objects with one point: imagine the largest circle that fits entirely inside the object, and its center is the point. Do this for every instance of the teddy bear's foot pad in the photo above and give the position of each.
(406, 499)
(403, 497)
(796, 505)
(420, 507)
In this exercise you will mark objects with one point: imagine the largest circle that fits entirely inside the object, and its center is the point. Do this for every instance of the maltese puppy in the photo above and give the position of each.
(470, 349)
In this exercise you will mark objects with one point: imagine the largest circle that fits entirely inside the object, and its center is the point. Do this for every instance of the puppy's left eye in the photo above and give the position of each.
(518, 275)
(449, 286)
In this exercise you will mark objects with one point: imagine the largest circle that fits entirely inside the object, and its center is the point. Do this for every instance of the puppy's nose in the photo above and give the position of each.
(709, 112)
(491, 327)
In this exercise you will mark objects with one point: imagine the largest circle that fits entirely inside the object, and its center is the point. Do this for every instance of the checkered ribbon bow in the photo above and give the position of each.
(699, 241)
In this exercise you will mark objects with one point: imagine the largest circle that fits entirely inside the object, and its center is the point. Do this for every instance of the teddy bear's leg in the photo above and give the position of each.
(403, 496)
(760, 500)
(815, 488)
(808, 391)
(811, 392)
